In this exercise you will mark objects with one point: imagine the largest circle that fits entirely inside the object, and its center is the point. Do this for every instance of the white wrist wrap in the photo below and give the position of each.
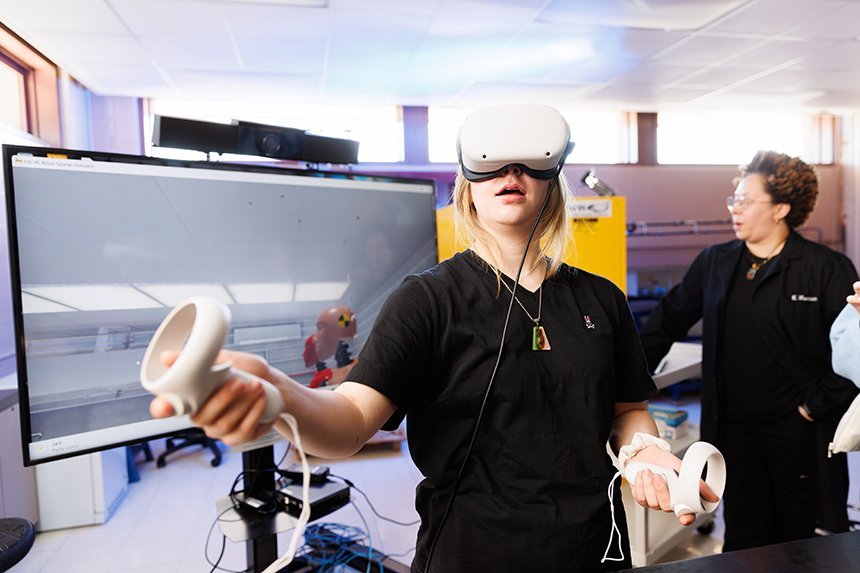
(640, 442)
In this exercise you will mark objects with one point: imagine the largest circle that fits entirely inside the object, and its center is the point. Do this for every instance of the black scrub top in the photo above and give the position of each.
(534, 492)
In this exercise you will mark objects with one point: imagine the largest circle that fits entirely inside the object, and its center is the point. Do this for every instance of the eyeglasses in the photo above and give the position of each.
(741, 202)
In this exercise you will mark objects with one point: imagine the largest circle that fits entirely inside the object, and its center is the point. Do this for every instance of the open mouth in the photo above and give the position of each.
(510, 190)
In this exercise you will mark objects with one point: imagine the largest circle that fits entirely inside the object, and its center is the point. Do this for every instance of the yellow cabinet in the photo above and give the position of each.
(599, 227)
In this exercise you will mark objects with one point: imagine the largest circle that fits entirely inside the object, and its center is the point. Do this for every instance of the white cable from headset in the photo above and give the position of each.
(305, 514)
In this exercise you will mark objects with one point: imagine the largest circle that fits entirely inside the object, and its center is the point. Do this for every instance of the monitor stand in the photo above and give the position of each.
(263, 550)
(260, 532)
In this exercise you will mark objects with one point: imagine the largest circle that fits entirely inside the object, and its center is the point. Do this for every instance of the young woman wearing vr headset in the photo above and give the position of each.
(514, 369)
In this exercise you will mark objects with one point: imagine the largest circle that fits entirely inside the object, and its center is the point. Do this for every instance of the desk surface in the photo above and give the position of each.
(832, 554)
(683, 362)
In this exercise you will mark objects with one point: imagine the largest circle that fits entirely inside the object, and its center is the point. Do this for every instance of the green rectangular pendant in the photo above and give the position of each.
(539, 339)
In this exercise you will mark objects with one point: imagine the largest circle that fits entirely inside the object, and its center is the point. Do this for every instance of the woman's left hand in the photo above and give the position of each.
(650, 489)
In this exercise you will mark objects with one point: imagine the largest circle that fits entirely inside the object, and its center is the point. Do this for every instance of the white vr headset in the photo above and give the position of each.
(535, 138)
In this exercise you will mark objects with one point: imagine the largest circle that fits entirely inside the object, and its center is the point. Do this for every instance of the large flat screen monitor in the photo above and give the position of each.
(102, 246)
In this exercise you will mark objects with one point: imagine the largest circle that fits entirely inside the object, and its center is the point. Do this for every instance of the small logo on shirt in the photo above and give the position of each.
(803, 298)
(588, 323)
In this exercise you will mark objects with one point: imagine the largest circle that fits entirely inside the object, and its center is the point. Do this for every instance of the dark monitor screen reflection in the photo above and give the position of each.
(102, 246)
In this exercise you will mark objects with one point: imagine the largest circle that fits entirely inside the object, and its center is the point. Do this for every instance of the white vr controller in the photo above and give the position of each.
(685, 496)
(197, 327)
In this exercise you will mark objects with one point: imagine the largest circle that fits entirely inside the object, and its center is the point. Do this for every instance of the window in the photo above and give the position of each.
(443, 124)
(600, 137)
(733, 138)
(378, 129)
(13, 97)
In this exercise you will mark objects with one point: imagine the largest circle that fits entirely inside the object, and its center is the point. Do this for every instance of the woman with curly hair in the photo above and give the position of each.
(770, 398)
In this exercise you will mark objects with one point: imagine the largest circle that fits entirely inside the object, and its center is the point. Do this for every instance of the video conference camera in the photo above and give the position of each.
(247, 138)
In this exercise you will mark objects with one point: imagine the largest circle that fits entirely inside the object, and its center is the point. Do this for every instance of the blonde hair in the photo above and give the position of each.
(553, 232)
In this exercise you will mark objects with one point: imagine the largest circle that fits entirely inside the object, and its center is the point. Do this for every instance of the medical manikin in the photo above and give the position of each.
(336, 327)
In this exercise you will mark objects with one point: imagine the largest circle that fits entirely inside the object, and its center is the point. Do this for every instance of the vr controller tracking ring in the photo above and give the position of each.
(684, 491)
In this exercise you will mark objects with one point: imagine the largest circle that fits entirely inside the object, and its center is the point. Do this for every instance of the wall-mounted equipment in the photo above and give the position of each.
(246, 138)
(591, 181)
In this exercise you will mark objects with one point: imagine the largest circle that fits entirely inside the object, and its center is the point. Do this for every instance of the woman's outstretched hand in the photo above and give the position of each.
(232, 413)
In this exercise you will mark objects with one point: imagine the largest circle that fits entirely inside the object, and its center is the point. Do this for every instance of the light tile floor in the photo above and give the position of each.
(164, 524)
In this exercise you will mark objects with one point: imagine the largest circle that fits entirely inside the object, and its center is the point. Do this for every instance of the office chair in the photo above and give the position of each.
(16, 539)
(192, 437)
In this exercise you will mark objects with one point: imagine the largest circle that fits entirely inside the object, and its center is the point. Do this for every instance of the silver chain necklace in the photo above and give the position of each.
(756, 265)
(539, 339)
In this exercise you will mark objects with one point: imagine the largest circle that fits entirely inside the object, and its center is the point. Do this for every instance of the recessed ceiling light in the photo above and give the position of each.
(172, 295)
(319, 292)
(258, 293)
(35, 305)
(95, 297)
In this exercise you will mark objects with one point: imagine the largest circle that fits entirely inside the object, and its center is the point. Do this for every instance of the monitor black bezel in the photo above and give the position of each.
(11, 150)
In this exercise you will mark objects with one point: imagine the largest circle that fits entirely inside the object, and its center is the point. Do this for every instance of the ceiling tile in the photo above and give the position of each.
(656, 73)
(767, 17)
(292, 57)
(781, 79)
(475, 19)
(769, 99)
(196, 54)
(78, 17)
(72, 50)
(142, 80)
(835, 101)
(374, 62)
(644, 94)
(646, 43)
(277, 23)
(173, 18)
(715, 77)
(777, 52)
(593, 70)
(840, 24)
(658, 14)
(830, 79)
(242, 85)
(200, 54)
(368, 31)
(704, 49)
(383, 7)
(835, 55)
(509, 92)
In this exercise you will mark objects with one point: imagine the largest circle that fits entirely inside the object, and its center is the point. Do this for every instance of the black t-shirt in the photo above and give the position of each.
(533, 494)
(757, 386)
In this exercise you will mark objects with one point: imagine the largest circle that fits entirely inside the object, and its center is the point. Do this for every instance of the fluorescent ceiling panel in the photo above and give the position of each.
(258, 293)
(172, 295)
(95, 297)
(35, 305)
(318, 292)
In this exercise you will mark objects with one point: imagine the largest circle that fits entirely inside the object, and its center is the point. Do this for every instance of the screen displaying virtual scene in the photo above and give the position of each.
(105, 250)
